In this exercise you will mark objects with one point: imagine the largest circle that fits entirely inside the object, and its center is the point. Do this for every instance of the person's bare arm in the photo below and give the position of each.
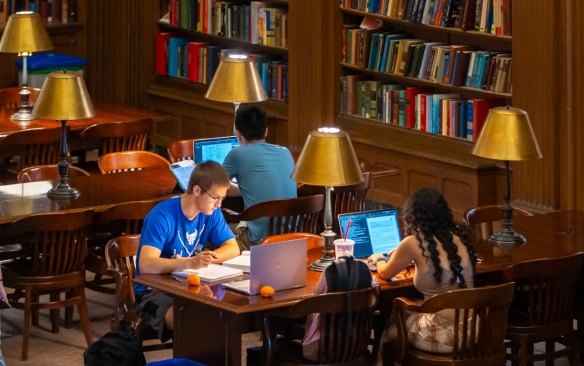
(150, 261)
(400, 258)
(226, 251)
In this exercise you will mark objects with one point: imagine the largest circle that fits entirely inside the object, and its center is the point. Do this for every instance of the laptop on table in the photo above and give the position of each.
(279, 265)
(373, 231)
(215, 149)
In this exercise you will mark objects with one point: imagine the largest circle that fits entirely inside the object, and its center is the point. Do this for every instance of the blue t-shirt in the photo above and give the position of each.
(263, 173)
(168, 229)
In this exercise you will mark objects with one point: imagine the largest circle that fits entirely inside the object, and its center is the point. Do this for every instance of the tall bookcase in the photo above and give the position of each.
(547, 48)
(422, 158)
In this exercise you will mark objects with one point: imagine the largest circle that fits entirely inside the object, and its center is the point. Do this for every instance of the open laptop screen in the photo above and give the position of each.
(373, 231)
(215, 149)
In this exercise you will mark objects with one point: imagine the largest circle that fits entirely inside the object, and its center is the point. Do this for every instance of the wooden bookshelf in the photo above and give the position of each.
(547, 47)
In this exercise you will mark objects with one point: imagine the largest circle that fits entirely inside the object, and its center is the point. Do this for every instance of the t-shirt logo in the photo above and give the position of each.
(191, 237)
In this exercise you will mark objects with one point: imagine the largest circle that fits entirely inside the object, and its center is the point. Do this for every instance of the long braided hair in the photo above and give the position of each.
(428, 218)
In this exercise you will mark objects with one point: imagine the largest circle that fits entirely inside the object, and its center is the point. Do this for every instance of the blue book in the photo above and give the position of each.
(386, 42)
(374, 50)
(174, 44)
(213, 58)
(373, 6)
(469, 120)
(462, 119)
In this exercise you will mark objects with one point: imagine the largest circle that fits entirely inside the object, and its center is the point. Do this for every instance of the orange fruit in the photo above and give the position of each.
(267, 291)
(194, 279)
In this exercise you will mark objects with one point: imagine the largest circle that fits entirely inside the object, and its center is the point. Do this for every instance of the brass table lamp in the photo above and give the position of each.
(507, 135)
(236, 81)
(25, 34)
(327, 159)
(63, 97)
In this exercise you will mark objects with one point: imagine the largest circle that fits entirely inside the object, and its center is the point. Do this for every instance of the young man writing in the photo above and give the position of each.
(174, 237)
(262, 170)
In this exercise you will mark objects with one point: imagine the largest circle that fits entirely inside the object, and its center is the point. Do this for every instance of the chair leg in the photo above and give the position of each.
(26, 324)
(69, 310)
(35, 314)
(55, 314)
(84, 314)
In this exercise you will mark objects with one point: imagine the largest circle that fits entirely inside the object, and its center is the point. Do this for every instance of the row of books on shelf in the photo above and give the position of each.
(255, 22)
(185, 58)
(417, 107)
(50, 11)
(489, 16)
(398, 54)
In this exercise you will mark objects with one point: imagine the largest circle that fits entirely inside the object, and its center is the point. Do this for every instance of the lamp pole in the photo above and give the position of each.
(63, 191)
(328, 235)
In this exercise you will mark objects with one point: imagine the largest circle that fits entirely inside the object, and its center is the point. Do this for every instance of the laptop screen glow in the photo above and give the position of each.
(215, 149)
(373, 231)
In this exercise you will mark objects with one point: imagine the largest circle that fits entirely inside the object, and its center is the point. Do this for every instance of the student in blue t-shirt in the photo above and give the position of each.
(174, 237)
(262, 171)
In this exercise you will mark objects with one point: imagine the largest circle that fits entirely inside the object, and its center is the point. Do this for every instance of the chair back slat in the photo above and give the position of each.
(121, 136)
(477, 319)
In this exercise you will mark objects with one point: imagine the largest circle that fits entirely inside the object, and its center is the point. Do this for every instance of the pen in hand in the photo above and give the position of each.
(175, 278)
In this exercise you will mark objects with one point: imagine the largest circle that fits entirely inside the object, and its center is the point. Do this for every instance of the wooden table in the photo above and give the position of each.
(98, 191)
(104, 113)
(209, 320)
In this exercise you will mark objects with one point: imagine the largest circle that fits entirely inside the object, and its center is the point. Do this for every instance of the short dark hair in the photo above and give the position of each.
(207, 174)
(250, 121)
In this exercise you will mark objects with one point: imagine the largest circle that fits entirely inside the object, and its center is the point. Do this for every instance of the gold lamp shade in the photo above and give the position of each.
(507, 135)
(25, 32)
(328, 159)
(64, 97)
(236, 81)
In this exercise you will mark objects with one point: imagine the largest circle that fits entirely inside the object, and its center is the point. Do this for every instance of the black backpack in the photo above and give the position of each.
(346, 274)
(115, 348)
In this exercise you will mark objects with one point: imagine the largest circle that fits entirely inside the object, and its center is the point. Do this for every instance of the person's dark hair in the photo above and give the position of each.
(428, 217)
(250, 121)
(208, 174)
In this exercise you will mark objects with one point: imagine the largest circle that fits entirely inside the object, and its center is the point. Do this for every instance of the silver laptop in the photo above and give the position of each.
(279, 265)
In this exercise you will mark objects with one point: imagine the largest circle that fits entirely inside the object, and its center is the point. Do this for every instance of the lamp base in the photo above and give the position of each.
(320, 265)
(507, 238)
(63, 191)
(23, 115)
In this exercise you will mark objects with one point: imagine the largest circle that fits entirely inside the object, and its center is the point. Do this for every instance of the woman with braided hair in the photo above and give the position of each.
(444, 260)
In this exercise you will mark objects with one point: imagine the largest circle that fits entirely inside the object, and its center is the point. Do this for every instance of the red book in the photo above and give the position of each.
(480, 109)
(411, 92)
(193, 51)
(162, 52)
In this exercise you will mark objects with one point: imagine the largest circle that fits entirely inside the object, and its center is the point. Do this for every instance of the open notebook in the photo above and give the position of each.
(279, 265)
(214, 272)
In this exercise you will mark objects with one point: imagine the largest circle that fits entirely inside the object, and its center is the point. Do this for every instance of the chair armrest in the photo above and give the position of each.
(401, 306)
(119, 315)
(230, 215)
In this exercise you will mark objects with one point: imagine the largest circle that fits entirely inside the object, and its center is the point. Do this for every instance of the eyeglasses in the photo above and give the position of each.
(215, 199)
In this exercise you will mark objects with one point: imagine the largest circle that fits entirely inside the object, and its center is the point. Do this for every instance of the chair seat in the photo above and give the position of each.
(430, 358)
(288, 353)
(16, 274)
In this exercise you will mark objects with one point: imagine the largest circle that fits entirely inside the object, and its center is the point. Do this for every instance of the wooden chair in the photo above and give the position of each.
(346, 317)
(479, 327)
(120, 219)
(47, 172)
(285, 215)
(57, 251)
(486, 220)
(126, 161)
(343, 199)
(10, 97)
(543, 308)
(32, 147)
(120, 136)
(120, 254)
(312, 240)
(181, 150)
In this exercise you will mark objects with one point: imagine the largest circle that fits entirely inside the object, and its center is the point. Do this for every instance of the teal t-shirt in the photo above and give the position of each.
(263, 173)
